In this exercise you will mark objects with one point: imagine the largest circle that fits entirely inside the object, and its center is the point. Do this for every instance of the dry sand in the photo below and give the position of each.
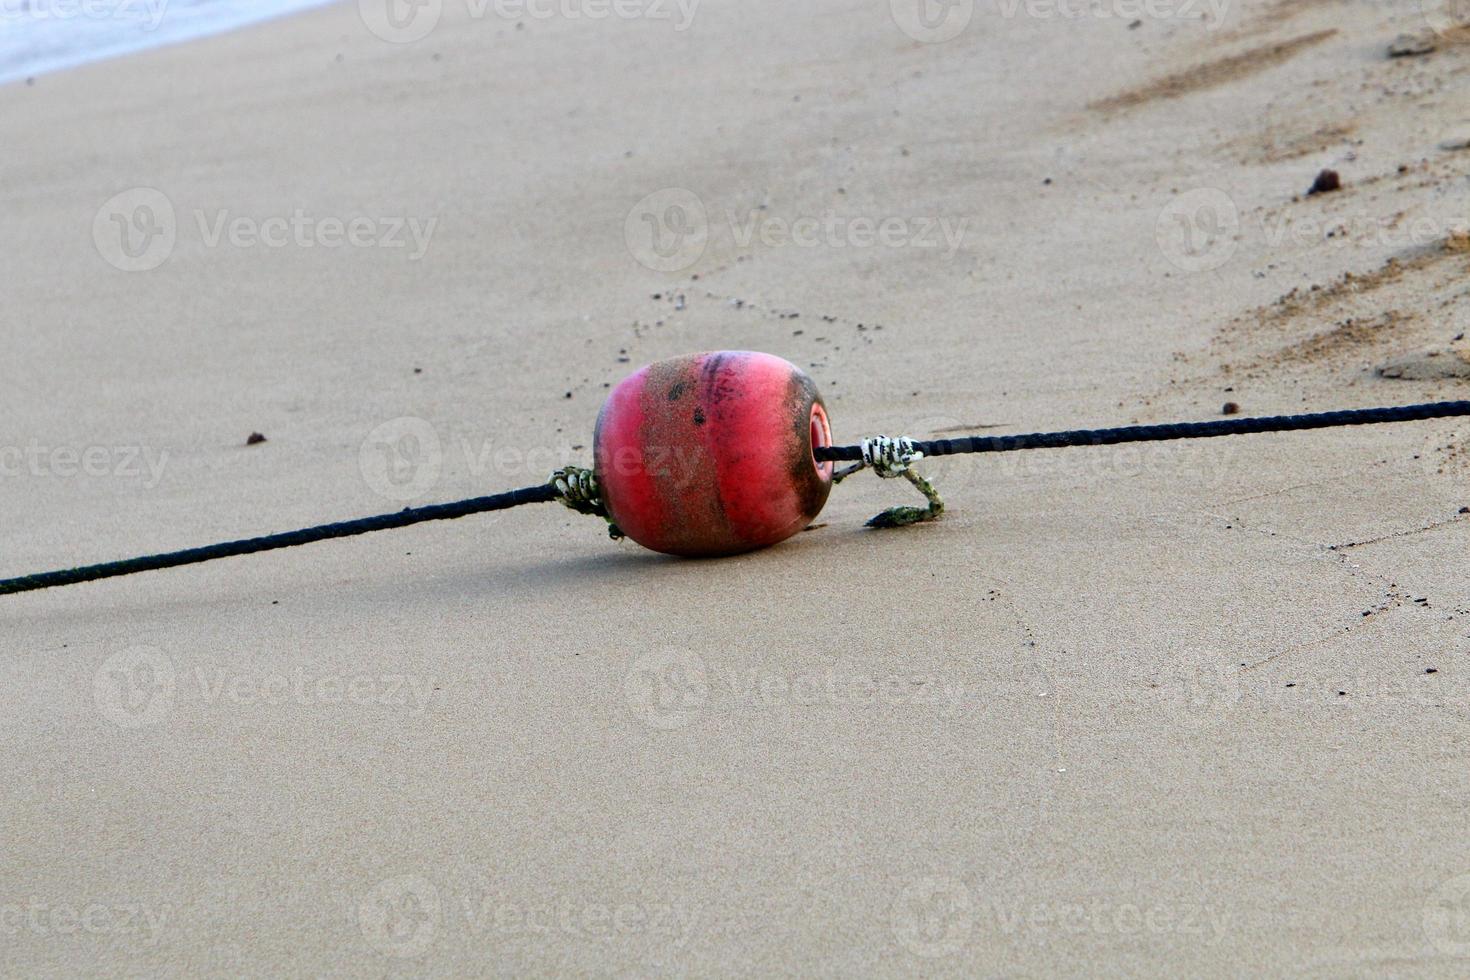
(1121, 712)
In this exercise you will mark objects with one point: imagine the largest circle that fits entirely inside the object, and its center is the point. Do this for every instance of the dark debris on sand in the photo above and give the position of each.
(1326, 182)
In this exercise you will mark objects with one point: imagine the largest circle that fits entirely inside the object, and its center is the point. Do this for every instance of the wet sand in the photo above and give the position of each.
(1193, 709)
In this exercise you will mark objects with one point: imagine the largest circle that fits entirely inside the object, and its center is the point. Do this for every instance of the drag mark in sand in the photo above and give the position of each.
(1212, 74)
(1393, 596)
(1282, 142)
(974, 427)
(1347, 287)
(1266, 19)
(1431, 526)
(1276, 335)
(1347, 334)
(1334, 480)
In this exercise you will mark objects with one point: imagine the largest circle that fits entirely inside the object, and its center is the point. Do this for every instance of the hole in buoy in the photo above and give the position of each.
(821, 436)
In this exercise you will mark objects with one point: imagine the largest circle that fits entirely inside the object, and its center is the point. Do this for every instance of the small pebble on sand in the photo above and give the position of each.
(1326, 182)
(1410, 45)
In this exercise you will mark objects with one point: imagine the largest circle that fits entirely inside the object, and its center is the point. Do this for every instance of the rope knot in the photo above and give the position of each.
(577, 488)
(890, 457)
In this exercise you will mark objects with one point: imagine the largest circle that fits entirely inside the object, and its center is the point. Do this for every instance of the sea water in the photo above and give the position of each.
(39, 36)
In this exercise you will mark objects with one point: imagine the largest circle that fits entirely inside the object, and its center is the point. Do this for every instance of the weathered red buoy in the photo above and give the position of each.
(711, 454)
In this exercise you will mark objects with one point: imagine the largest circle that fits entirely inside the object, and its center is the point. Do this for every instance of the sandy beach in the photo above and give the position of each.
(1194, 709)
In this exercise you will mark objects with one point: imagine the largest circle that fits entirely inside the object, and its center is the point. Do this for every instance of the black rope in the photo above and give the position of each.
(548, 492)
(1161, 433)
(289, 539)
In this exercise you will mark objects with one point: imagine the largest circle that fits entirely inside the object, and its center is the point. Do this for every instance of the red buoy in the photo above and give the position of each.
(711, 454)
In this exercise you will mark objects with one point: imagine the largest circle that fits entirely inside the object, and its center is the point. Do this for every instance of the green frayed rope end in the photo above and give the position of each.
(891, 458)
